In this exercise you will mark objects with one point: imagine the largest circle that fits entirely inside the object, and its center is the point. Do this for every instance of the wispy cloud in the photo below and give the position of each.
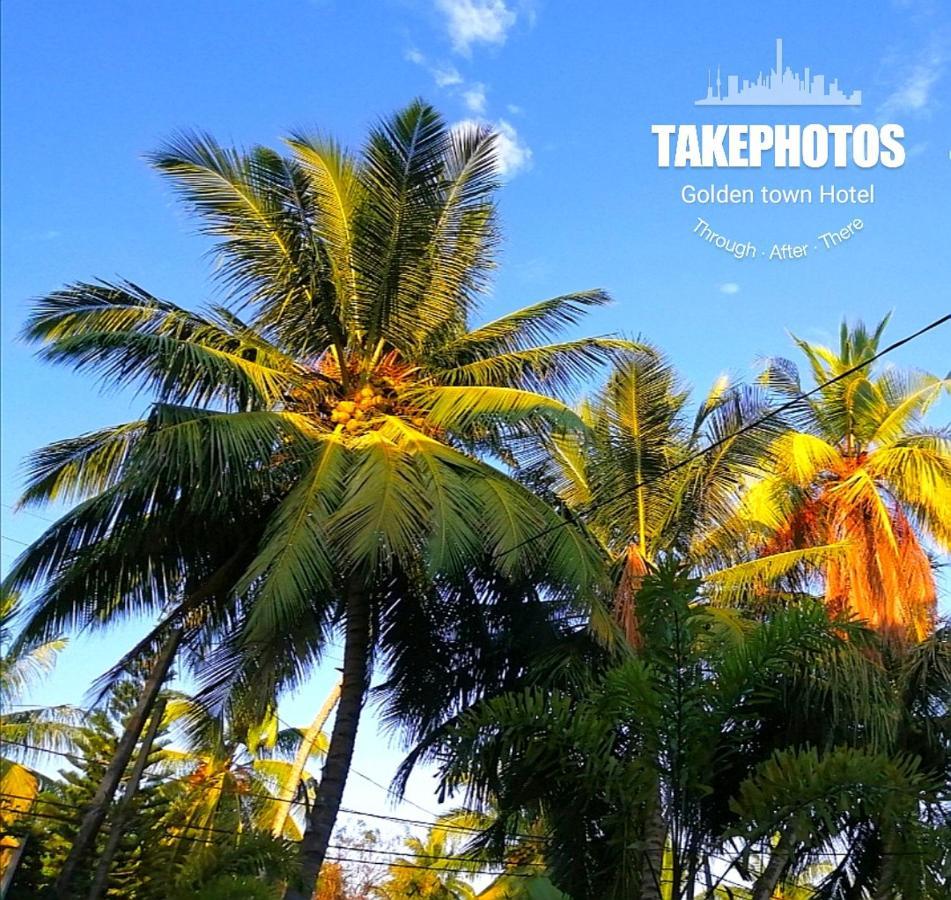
(444, 75)
(474, 98)
(476, 22)
(512, 154)
(914, 93)
(729, 287)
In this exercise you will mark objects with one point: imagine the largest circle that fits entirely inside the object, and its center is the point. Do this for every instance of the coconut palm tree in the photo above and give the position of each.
(641, 483)
(310, 467)
(861, 469)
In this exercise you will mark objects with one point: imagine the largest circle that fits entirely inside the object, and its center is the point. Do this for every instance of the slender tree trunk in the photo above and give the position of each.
(333, 779)
(764, 886)
(707, 878)
(125, 805)
(886, 869)
(13, 860)
(92, 821)
(292, 782)
(655, 840)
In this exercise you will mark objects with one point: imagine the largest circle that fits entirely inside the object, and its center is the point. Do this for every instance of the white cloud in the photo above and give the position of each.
(729, 287)
(915, 91)
(474, 98)
(446, 76)
(514, 109)
(512, 154)
(476, 21)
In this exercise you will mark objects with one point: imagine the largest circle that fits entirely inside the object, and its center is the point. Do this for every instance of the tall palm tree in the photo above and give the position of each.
(311, 467)
(861, 469)
(647, 492)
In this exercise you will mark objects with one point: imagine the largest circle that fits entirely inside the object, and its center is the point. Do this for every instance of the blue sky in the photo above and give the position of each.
(89, 88)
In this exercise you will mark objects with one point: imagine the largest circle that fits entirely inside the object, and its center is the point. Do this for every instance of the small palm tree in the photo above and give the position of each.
(26, 733)
(861, 470)
(227, 778)
(428, 871)
(315, 465)
(722, 728)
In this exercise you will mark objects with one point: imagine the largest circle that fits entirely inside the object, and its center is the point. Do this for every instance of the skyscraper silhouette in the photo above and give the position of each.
(781, 87)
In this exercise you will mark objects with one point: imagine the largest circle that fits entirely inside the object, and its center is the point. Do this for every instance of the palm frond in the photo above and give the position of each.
(558, 368)
(757, 576)
(78, 468)
(296, 562)
(400, 168)
(463, 408)
(136, 340)
(522, 329)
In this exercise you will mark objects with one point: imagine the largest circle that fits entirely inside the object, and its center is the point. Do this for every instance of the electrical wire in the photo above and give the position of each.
(750, 426)
(207, 829)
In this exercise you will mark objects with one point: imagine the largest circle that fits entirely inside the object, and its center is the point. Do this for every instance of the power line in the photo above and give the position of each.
(353, 812)
(398, 863)
(750, 426)
(719, 442)
(28, 512)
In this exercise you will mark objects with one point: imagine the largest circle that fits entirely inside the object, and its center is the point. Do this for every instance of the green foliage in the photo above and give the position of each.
(59, 807)
(741, 727)
(341, 435)
(234, 887)
(264, 477)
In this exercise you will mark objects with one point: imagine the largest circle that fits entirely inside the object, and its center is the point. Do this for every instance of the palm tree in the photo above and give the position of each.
(227, 777)
(523, 876)
(860, 469)
(314, 466)
(750, 726)
(428, 871)
(645, 489)
(26, 733)
(881, 858)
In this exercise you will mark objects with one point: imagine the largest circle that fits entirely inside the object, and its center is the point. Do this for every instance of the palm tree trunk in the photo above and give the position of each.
(887, 867)
(333, 779)
(92, 821)
(655, 840)
(292, 782)
(125, 805)
(764, 886)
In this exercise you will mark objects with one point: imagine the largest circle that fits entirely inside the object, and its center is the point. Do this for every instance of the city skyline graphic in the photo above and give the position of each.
(780, 87)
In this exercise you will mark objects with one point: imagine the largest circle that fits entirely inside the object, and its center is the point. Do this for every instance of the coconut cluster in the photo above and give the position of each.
(353, 411)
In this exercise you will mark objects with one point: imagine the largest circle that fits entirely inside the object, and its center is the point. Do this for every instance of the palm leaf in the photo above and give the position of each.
(462, 408)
